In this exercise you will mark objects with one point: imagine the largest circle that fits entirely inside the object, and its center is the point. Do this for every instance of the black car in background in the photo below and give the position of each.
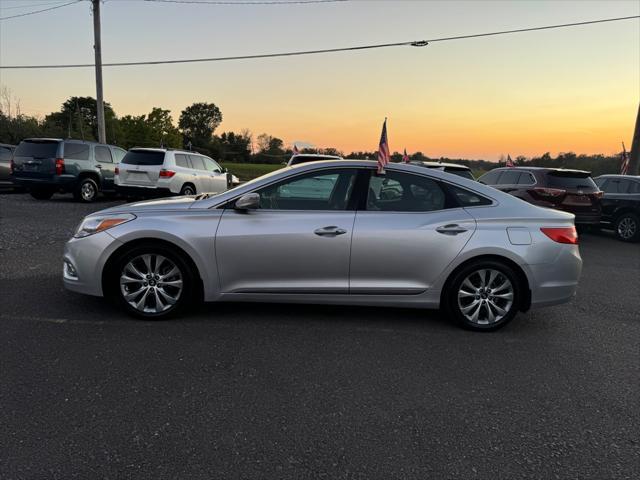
(572, 191)
(621, 205)
(6, 154)
(45, 166)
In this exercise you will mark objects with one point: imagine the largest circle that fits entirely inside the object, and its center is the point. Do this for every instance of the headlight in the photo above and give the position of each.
(91, 225)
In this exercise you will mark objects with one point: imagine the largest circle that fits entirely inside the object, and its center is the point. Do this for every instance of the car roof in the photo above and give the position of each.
(7, 145)
(617, 175)
(316, 155)
(542, 169)
(163, 150)
(439, 164)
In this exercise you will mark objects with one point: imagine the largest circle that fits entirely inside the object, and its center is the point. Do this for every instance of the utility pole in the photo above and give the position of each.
(97, 47)
(634, 161)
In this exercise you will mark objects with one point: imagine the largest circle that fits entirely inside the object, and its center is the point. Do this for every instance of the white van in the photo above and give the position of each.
(164, 172)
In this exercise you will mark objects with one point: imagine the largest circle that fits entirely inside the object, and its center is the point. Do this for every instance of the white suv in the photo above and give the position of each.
(163, 172)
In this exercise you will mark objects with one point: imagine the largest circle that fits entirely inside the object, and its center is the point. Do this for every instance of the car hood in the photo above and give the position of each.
(161, 204)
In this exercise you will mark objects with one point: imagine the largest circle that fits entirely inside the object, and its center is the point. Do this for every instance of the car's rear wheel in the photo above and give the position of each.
(188, 189)
(42, 193)
(152, 282)
(628, 227)
(483, 296)
(86, 191)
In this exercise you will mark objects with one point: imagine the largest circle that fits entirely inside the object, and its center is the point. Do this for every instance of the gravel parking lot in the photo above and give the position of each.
(280, 391)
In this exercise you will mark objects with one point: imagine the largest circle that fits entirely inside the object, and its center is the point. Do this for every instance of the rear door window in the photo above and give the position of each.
(405, 192)
(197, 162)
(182, 160)
(509, 177)
(490, 178)
(143, 157)
(76, 151)
(526, 179)
(103, 154)
(634, 187)
(37, 149)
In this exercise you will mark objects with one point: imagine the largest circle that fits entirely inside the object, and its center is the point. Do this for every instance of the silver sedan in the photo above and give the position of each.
(333, 232)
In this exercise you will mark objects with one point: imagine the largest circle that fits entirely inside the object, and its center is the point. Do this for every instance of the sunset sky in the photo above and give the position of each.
(574, 89)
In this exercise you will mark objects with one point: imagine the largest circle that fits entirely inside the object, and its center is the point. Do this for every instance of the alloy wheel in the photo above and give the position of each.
(151, 283)
(88, 191)
(485, 296)
(627, 228)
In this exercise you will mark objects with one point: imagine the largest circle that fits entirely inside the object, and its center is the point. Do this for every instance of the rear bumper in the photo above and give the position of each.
(556, 282)
(134, 191)
(59, 182)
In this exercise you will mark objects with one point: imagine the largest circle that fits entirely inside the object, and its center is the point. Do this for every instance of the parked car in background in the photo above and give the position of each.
(572, 191)
(621, 205)
(48, 165)
(299, 158)
(6, 155)
(324, 232)
(454, 168)
(158, 172)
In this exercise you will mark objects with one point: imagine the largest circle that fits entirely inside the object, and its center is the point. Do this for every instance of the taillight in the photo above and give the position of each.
(561, 234)
(59, 166)
(116, 171)
(12, 167)
(167, 173)
(598, 194)
(548, 192)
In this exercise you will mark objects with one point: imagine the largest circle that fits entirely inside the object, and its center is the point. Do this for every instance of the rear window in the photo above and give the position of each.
(460, 172)
(570, 180)
(142, 157)
(5, 153)
(46, 149)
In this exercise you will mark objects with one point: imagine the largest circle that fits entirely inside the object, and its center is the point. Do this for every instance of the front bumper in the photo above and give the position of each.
(87, 256)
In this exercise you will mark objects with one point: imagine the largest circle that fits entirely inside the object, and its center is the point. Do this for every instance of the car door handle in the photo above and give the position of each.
(98, 166)
(451, 229)
(330, 231)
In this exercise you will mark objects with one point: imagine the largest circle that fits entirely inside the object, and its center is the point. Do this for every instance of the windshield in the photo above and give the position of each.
(143, 157)
(37, 149)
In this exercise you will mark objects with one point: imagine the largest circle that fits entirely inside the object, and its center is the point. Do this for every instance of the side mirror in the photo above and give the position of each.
(250, 201)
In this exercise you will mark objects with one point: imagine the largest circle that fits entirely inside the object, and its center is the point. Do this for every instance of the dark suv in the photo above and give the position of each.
(49, 165)
(621, 205)
(573, 191)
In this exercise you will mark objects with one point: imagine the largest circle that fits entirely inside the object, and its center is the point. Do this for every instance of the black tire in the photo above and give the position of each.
(188, 189)
(42, 193)
(627, 227)
(86, 191)
(188, 297)
(453, 306)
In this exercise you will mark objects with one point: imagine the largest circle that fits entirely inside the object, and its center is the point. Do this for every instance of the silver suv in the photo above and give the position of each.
(163, 172)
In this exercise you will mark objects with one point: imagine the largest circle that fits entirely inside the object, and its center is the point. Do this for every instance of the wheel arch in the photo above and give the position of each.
(109, 266)
(523, 279)
(623, 210)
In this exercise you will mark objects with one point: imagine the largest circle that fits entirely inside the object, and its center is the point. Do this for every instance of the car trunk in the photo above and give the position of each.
(36, 158)
(582, 194)
(140, 168)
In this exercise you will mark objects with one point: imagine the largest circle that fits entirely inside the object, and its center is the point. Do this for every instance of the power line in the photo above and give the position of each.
(418, 43)
(13, 7)
(40, 11)
(243, 2)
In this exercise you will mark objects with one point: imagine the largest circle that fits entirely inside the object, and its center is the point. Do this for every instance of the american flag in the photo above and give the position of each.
(405, 157)
(510, 162)
(383, 149)
(295, 149)
(624, 169)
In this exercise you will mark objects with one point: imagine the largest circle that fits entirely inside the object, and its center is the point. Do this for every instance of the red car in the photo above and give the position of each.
(572, 191)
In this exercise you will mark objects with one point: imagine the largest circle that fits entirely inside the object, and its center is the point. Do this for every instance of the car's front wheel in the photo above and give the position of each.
(628, 227)
(483, 295)
(153, 282)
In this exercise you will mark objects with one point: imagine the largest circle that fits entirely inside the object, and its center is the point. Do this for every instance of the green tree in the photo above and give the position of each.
(198, 122)
(162, 130)
(78, 118)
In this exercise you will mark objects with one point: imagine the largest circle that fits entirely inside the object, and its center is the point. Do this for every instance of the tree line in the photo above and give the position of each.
(196, 130)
